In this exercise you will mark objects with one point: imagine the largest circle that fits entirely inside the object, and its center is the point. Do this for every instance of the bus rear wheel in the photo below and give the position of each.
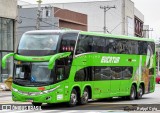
(36, 104)
(132, 95)
(73, 98)
(85, 97)
(140, 92)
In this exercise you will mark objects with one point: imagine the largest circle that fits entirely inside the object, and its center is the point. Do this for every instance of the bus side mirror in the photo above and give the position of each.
(5, 58)
(55, 57)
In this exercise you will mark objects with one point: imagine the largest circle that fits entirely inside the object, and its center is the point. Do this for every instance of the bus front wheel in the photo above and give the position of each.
(73, 98)
(85, 96)
(132, 95)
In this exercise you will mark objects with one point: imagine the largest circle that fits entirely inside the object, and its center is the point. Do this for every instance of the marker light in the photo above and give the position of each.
(41, 88)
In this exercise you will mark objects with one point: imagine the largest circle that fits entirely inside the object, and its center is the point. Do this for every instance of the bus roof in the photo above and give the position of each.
(115, 36)
(52, 31)
(92, 34)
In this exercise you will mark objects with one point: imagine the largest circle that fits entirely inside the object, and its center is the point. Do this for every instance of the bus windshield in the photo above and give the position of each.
(34, 74)
(38, 42)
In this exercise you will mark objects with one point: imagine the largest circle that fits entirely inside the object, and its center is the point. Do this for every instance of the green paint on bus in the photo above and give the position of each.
(81, 66)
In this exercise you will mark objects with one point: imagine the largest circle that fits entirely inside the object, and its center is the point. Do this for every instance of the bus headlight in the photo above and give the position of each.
(15, 90)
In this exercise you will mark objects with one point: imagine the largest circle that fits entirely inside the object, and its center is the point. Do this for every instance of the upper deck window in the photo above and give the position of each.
(38, 42)
(68, 42)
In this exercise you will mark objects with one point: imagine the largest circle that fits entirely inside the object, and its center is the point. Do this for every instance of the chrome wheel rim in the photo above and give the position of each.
(133, 93)
(140, 92)
(73, 98)
(85, 96)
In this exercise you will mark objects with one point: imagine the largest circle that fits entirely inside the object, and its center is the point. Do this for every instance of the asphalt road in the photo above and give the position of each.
(149, 102)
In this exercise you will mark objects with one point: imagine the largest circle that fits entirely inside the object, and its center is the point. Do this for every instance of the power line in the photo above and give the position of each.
(41, 21)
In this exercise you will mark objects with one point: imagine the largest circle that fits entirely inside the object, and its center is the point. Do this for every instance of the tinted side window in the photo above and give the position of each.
(126, 72)
(103, 73)
(111, 45)
(117, 72)
(68, 42)
(142, 47)
(60, 75)
(98, 44)
(85, 74)
(113, 72)
(121, 46)
(124, 46)
(80, 75)
(84, 44)
(132, 47)
(152, 45)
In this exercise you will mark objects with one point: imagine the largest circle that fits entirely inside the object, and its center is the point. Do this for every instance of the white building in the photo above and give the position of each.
(8, 15)
(119, 20)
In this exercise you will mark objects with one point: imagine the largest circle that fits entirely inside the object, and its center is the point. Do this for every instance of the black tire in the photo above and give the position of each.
(36, 104)
(158, 82)
(124, 97)
(73, 98)
(132, 95)
(85, 97)
(140, 92)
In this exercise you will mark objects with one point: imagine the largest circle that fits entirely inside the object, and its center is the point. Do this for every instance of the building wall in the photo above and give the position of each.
(95, 15)
(146, 31)
(138, 14)
(70, 19)
(8, 8)
(119, 21)
(129, 18)
(8, 14)
(28, 19)
(51, 18)
(138, 22)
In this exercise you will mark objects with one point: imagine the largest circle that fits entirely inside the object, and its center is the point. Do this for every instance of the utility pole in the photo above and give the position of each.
(106, 8)
(38, 14)
(151, 29)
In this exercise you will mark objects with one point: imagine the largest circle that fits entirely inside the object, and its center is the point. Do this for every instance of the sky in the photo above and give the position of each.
(149, 8)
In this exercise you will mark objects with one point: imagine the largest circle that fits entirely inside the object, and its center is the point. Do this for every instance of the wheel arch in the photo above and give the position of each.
(135, 85)
(143, 86)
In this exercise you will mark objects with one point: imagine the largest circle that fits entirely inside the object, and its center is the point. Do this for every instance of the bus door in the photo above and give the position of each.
(63, 69)
(60, 77)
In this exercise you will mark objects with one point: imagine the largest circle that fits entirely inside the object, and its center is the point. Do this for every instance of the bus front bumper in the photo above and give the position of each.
(42, 98)
(39, 97)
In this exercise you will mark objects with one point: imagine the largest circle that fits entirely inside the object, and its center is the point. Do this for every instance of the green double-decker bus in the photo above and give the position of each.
(54, 66)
